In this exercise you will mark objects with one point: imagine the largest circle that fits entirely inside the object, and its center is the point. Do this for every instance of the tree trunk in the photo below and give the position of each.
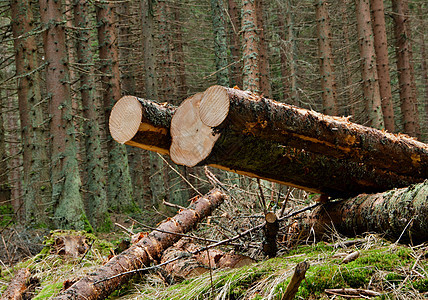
(96, 196)
(35, 150)
(4, 180)
(396, 213)
(220, 42)
(178, 53)
(285, 74)
(119, 186)
(278, 142)
(250, 52)
(292, 44)
(382, 63)
(18, 286)
(142, 253)
(235, 44)
(328, 81)
(66, 198)
(265, 87)
(424, 70)
(368, 68)
(403, 51)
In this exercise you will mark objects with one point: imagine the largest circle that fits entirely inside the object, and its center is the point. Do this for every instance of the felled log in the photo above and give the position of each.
(399, 214)
(240, 132)
(142, 253)
(196, 264)
(18, 286)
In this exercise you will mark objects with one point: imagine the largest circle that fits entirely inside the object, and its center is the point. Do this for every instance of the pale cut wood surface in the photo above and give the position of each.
(214, 106)
(192, 140)
(127, 108)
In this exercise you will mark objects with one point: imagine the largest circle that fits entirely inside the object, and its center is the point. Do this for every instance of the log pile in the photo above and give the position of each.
(241, 132)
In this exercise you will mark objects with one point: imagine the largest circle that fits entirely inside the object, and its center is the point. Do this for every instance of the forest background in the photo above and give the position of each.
(63, 64)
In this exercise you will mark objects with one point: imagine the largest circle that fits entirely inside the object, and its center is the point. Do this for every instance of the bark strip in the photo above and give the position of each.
(142, 253)
(18, 286)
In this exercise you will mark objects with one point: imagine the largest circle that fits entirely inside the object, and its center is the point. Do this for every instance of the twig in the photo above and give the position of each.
(262, 196)
(124, 228)
(166, 203)
(86, 252)
(281, 213)
(292, 214)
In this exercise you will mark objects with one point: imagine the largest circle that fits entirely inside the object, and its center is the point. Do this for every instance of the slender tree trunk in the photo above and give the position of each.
(4, 171)
(328, 80)
(293, 53)
(65, 178)
(35, 150)
(235, 44)
(285, 74)
(96, 197)
(382, 63)
(178, 53)
(157, 185)
(265, 86)
(220, 42)
(250, 52)
(424, 70)
(405, 68)
(119, 189)
(368, 68)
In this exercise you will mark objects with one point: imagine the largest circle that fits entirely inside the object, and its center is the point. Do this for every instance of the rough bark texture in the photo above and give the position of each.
(405, 67)
(178, 53)
(382, 63)
(285, 74)
(65, 179)
(265, 87)
(295, 98)
(274, 141)
(220, 42)
(142, 253)
(250, 52)
(396, 213)
(119, 187)
(270, 230)
(328, 81)
(368, 65)
(17, 286)
(235, 45)
(95, 183)
(35, 150)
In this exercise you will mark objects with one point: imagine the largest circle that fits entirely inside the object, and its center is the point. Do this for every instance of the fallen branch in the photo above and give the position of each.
(142, 253)
(296, 279)
(352, 293)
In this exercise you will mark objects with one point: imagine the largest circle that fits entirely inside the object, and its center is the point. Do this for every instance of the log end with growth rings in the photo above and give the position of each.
(127, 108)
(192, 140)
(214, 106)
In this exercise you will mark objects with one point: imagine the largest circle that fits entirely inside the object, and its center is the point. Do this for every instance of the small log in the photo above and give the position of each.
(271, 231)
(311, 162)
(399, 214)
(296, 279)
(18, 286)
(143, 252)
(352, 293)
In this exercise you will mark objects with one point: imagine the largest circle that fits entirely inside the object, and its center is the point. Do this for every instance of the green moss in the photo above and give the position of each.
(6, 214)
(48, 291)
(421, 285)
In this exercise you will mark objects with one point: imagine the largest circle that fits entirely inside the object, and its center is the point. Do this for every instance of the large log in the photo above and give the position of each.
(142, 253)
(398, 214)
(273, 141)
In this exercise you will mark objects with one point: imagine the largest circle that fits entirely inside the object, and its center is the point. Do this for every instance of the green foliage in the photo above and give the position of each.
(48, 291)
(6, 214)
(421, 285)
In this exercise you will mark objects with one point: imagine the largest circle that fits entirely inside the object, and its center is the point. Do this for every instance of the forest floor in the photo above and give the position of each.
(396, 271)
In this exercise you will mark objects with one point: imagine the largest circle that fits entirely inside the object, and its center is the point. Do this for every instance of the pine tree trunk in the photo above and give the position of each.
(285, 74)
(4, 181)
(328, 81)
(95, 185)
(235, 44)
(119, 186)
(398, 213)
(178, 54)
(382, 63)
(66, 198)
(405, 68)
(368, 68)
(220, 42)
(35, 150)
(250, 52)
(142, 253)
(424, 70)
(265, 87)
(266, 139)
(295, 99)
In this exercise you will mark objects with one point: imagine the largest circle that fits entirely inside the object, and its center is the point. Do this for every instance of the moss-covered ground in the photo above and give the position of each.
(396, 271)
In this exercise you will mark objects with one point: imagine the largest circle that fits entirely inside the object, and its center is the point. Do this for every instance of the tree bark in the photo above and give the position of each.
(250, 52)
(368, 65)
(265, 87)
(382, 63)
(65, 177)
(278, 142)
(235, 44)
(403, 51)
(399, 213)
(220, 42)
(270, 230)
(96, 197)
(37, 186)
(325, 53)
(119, 186)
(18, 286)
(142, 253)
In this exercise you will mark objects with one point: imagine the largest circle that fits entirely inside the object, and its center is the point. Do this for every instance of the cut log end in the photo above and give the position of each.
(125, 119)
(192, 140)
(270, 217)
(214, 106)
